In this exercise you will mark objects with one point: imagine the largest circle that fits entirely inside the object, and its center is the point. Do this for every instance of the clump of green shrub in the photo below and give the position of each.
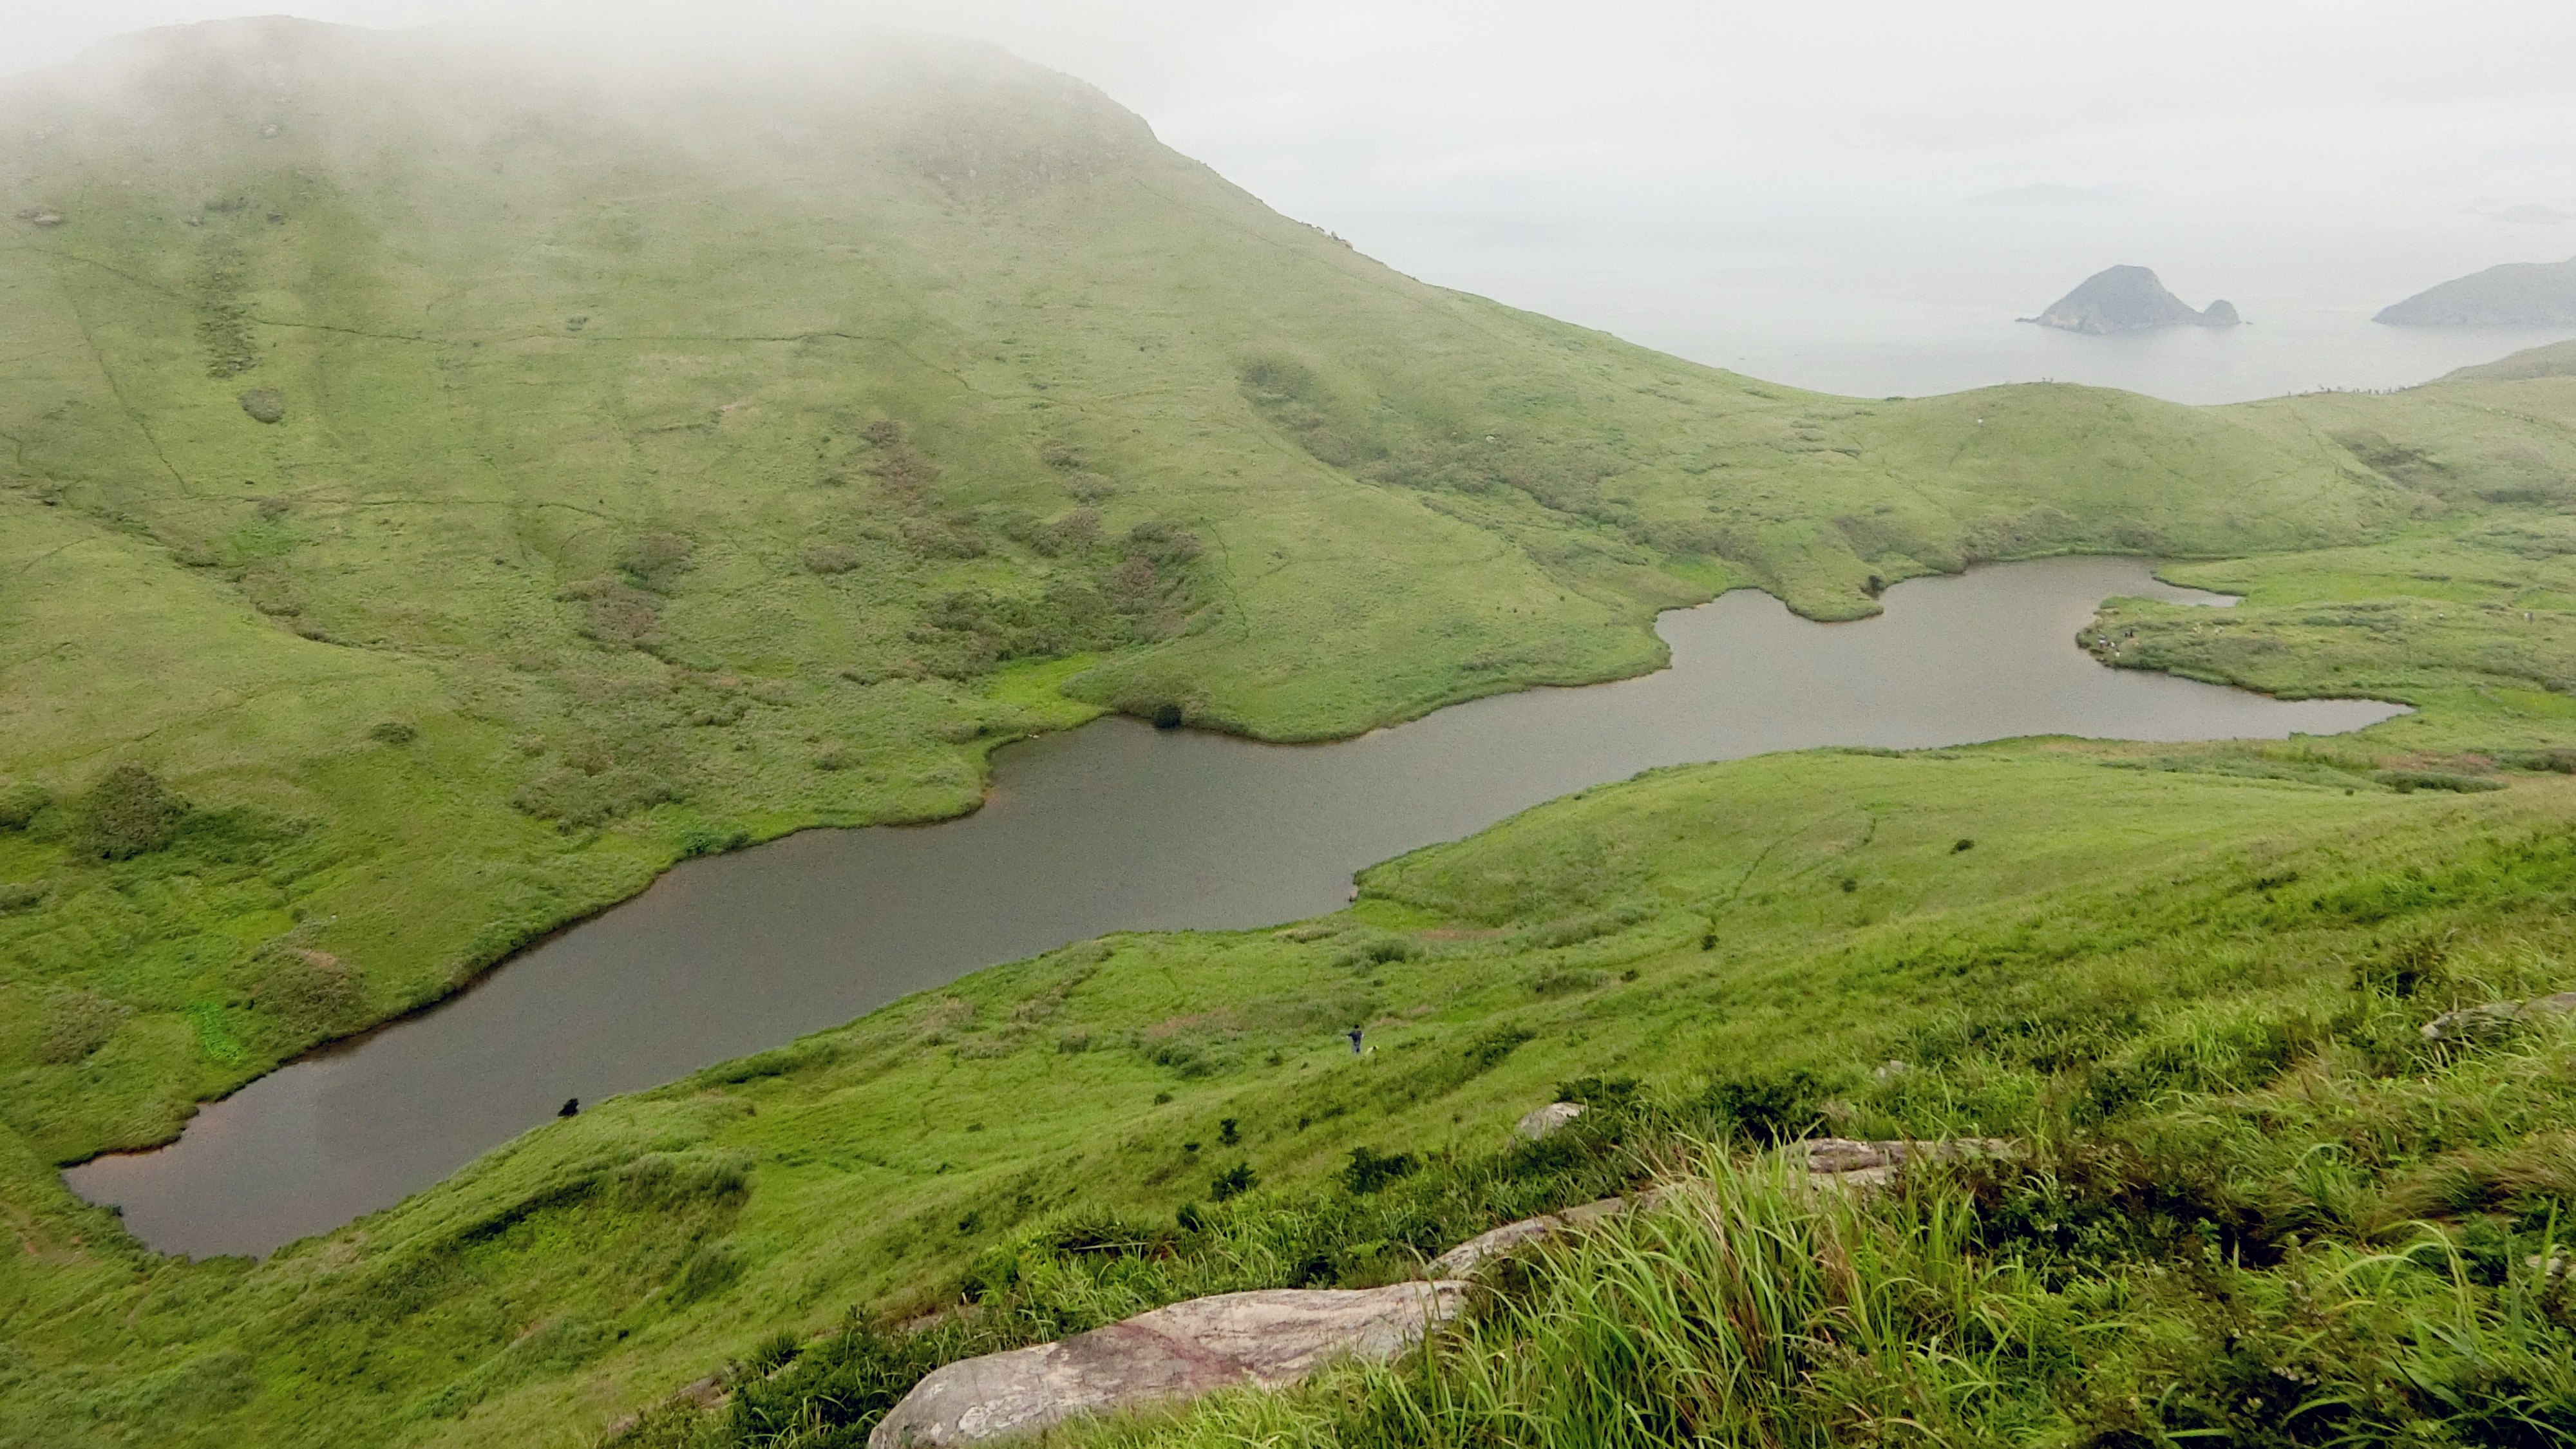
(1234, 1182)
(2406, 782)
(1770, 1107)
(830, 558)
(129, 812)
(656, 560)
(1369, 1169)
(19, 802)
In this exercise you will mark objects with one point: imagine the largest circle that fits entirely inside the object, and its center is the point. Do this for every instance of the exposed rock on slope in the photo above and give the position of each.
(1277, 1337)
(1270, 1338)
(2129, 299)
(2517, 294)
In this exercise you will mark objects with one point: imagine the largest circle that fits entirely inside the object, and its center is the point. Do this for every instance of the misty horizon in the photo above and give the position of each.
(1858, 198)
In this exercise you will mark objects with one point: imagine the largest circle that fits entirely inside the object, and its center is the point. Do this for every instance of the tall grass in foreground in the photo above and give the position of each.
(1757, 1313)
(2350, 1254)
(2285, 1219)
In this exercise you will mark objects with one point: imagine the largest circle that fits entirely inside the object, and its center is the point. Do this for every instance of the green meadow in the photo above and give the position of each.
(440, 494)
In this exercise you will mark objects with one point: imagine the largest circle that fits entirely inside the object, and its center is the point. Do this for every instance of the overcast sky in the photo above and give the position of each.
(1634, 164)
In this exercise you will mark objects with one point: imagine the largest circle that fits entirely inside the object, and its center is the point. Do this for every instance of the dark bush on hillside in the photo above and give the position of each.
(393, 732)
(1598, 1093)
(19, 802)
(2562, 762)
(264, 404)
(2406, 782)
(1771, 1107)
(1074, 532)
(1489, 1048)
(830, 558)
(941, 538)
(1369, 1169)
(129, 812)
(1379, 951)
(656, 560)
(1163, 541)
(1234, 1182)
(1575, 930)
(621, 616)
(772, 1354)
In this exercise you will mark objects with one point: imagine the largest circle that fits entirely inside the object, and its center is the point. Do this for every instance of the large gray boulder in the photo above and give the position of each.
(1267, 1339)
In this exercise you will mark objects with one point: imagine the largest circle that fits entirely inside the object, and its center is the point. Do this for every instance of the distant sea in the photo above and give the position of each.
(1886, 349)
(1910, 305)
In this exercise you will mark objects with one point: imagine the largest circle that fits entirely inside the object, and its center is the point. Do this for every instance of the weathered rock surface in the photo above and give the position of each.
(1269, 1339)
(1842, 1162)
(2517, 294)
(2129, 299)
(1547, 1119)
(2489, 1017)
(1463, 1260)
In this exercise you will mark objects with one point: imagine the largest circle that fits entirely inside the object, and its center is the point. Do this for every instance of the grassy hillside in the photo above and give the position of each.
(467, 488)
(440, 494)
(2057, 939)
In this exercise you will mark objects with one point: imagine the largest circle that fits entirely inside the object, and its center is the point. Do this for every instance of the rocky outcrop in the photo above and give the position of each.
(1547, 1119)
(2517, 294)
(2489, 1018)
(1267, 1339)
(1275, 1338)
(2129, 299)
(1463, 1260)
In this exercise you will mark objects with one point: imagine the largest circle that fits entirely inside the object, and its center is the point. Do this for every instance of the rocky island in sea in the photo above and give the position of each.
(2517, 294)
(2129, 299)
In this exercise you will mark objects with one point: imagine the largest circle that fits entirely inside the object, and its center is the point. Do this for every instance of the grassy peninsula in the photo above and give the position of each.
(440, 494)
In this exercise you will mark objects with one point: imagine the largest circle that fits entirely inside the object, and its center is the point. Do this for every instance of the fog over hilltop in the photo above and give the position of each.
(1814, 194)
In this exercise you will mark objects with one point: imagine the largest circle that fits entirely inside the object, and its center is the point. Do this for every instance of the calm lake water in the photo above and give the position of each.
(1116, 826)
